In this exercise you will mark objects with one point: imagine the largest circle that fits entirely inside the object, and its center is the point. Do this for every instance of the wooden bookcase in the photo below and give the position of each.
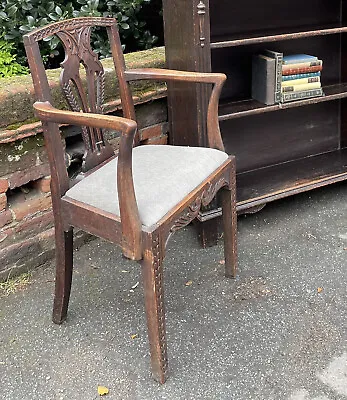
(280, 149)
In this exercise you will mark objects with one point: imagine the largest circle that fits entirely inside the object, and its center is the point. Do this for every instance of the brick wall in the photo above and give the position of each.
(26, 221)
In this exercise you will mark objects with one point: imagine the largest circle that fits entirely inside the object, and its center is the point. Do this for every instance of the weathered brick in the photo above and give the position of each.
(20, 132)
(20, 178)
(151, 132)
(34, 202)
(33, 224)
(3, 185)
(46, 239)
(17, 253)
(159, 140)
(3, 201)
(5, 234)
(29, 227)
(22, 154)
(5, 218)
(43, 184)
(151, 113)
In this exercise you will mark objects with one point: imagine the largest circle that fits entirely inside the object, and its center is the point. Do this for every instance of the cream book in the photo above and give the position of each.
(299, 88)
(301, 81)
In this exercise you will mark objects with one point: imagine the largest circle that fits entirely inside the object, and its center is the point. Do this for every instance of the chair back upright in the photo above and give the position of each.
(82, 94)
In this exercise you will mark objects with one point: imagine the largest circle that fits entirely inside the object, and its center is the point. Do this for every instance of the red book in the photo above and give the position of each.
(294, 71)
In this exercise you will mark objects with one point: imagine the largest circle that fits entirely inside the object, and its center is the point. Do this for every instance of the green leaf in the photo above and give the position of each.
(59, 11)
(50, 6)
(11, 11)
(4, 16)
(31, 20)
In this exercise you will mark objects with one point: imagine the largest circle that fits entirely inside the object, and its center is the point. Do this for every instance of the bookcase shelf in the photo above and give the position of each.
(275, 35)
(255, 187)
(277, 153)
(238, 109)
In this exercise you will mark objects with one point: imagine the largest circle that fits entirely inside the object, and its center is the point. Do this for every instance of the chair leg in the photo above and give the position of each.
(230, 231)
(63, 277)
(152, 270)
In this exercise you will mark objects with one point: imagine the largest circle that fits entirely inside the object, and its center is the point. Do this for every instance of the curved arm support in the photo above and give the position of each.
(46, 112)
(130, 219)
(168, 75)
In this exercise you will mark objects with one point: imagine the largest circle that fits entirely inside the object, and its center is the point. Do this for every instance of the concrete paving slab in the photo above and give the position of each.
(279, 331)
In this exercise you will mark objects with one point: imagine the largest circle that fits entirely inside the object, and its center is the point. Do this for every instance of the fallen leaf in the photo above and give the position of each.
(189, 283)
(222, 262)
(135, 286)
(134, 336)
(102, 390)
(320, 290)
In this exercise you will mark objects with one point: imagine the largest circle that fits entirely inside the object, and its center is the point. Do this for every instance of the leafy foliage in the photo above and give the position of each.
(8, 64)
(20, 16)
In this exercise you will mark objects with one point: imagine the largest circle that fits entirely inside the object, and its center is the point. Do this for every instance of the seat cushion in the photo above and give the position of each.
(163, 176)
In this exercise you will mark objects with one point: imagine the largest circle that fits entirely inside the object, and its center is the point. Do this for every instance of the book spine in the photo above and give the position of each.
(305, 94)
(302, 65)
(278, 84)
(300, 81)
(294, 71)
(279, 61)
(299, 88)
(299, 76)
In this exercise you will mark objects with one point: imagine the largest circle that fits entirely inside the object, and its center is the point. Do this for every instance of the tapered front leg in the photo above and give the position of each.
(63, 277)
(228, 198)
(152, 270)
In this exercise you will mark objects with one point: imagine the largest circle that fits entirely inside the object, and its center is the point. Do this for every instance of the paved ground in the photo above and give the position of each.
(279, 331)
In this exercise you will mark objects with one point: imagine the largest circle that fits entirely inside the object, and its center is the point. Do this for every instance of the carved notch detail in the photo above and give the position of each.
(203, 200)
(201, 13)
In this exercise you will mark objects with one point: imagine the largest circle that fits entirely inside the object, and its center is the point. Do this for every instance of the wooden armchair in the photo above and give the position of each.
(139, 198)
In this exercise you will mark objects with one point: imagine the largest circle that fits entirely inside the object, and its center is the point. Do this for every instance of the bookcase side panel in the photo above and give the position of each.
(186, 29)
(343, 75)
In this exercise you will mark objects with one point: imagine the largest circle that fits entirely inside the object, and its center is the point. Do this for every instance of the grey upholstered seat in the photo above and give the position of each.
(163, 176)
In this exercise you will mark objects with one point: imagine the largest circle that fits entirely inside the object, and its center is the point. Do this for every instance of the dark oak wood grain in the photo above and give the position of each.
(145, 244)
(276, 146)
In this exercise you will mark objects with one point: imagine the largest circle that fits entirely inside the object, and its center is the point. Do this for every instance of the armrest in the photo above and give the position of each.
(168, 75)
(130, 219)
(46, 112)
(173, 75)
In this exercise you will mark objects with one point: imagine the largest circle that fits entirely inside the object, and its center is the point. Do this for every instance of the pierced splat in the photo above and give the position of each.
(76, 42)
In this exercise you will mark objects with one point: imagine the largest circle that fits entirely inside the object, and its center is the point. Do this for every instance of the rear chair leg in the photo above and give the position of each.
(228, 198)
(63, 277)
(152, 270)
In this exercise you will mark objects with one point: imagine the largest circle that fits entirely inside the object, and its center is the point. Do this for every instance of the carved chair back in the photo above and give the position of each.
(82, 97)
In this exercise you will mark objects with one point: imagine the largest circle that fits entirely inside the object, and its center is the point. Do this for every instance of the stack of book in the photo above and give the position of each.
(301, 77)
(278, 79)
